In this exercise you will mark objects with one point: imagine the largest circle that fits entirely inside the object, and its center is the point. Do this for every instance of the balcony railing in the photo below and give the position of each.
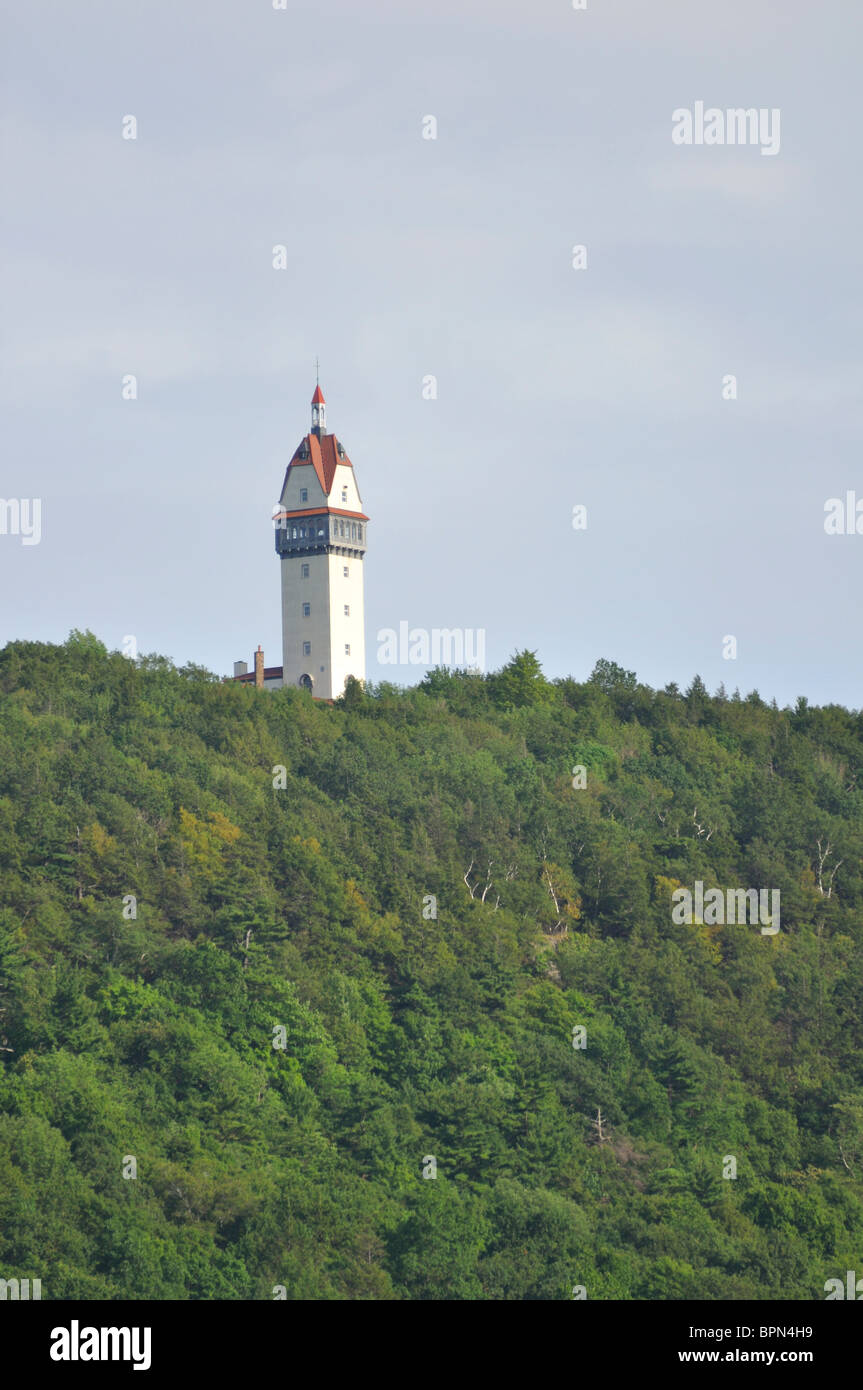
(293, 539)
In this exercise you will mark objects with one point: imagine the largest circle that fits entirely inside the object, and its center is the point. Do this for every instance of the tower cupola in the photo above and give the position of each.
(319, 413)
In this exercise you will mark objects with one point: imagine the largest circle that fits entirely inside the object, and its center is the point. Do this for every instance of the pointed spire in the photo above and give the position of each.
(319, 412)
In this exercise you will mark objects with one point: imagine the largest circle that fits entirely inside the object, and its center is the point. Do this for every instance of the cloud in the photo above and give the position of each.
(737, 178)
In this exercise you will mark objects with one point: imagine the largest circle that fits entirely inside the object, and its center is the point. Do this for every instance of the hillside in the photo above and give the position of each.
(165, 910)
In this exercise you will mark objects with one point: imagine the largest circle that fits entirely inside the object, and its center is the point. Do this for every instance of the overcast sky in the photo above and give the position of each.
(452, 257)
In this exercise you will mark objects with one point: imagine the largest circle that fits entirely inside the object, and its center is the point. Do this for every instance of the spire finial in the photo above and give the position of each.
(317, 372)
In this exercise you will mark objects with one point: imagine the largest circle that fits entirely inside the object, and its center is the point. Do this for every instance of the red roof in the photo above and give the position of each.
(320, 511)
(318, 397)
(323, 456)
(248, 677)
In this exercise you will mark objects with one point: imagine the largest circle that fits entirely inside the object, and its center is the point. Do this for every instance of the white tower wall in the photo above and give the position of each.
(327, 629)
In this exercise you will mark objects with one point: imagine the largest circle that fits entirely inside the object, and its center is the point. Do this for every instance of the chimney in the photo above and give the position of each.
(240, 669)
(259, 668)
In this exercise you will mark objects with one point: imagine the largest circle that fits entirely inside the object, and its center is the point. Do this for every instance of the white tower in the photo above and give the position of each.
(321, 541)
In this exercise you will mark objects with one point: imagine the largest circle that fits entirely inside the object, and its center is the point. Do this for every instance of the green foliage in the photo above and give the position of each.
(610, 677)
(282, 1003)
(520, 683)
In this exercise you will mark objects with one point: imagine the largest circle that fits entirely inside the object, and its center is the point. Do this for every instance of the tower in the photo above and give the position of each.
(321, 541)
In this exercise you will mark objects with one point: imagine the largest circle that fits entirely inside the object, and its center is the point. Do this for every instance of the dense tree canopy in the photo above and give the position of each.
(385, 1000)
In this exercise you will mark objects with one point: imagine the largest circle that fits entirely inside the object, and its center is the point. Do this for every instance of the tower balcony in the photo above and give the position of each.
(309, 534)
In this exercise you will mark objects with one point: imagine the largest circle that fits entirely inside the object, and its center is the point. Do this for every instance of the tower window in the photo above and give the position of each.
(304, 494)
(344, 494)
(307, 649)
(347, 649)
(307, 610)
(347, 610)
(347, 572)
(305, 571)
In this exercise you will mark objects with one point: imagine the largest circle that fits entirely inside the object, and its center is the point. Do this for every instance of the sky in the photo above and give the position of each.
(556, 387)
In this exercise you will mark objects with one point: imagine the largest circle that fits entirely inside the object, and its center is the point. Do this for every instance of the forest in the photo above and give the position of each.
(385, 999)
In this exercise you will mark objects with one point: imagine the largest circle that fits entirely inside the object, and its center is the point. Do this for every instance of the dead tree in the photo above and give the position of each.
(823, 856)
(602, 1137)
(700, 829)
(473, 888)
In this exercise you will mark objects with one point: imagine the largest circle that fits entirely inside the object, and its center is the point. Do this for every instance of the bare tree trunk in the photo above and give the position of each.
(80, 886)
(597, 1125)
